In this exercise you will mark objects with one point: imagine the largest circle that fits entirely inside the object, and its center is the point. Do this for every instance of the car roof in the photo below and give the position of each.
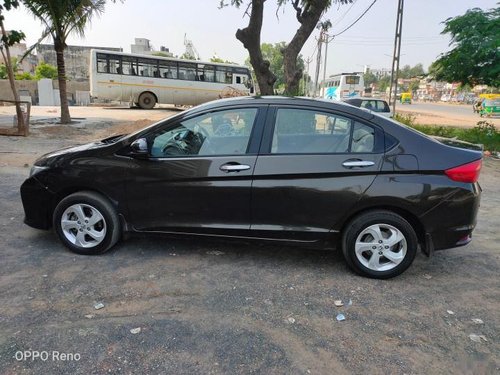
(365, 98)
(286, 100)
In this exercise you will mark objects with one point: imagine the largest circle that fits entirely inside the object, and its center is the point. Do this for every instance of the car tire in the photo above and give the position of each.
(87, 223)
(379, 244)
(147, 100)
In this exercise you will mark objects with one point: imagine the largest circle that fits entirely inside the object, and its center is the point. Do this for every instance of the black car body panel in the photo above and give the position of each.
(307, 197)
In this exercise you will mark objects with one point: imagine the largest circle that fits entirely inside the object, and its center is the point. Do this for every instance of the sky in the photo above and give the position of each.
(212, 30)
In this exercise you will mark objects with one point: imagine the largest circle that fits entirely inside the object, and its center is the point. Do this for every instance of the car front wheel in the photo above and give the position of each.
(87, 223)
(379, 244)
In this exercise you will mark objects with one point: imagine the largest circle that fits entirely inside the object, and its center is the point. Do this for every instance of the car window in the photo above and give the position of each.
(368, 104)
(301, 131)
(217, 133)
(363, 138)
(381, 106)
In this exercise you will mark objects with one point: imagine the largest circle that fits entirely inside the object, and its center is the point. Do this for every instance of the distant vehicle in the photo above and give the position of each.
(376, 105)
(343, 86)
(146, 80)
(490, 107)
(294, 170)
(405, 98)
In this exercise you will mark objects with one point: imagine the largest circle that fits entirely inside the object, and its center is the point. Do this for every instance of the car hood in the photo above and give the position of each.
(52, 157)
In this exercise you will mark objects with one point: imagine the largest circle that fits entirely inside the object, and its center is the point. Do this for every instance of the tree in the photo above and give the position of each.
(274, 54)
(474, 58)
(187, 56)
(61, 18)
(369, 78)
(307, 13)
(8, 40)
(44, 70)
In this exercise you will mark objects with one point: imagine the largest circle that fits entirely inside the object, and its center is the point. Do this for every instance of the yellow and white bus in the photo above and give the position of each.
(145, 80)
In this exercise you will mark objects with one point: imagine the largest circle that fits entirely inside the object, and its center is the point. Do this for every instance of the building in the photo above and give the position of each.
(29, 63)
(143, 46)
(76, 59)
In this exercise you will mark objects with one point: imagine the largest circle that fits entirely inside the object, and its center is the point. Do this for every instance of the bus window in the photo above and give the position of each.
(148, 68)
(187, 71)
(168, 69)
(102, 63)
(224, 74)
(129, 65)
(114, 64)
(205, 73)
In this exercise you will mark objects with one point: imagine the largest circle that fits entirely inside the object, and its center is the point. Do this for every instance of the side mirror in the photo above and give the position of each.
(139, 147)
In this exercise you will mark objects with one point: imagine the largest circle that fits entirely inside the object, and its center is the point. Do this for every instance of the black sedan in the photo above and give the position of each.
(301, 171)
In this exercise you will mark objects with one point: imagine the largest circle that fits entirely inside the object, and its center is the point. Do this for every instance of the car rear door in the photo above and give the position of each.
(197, 177)
(313, 167)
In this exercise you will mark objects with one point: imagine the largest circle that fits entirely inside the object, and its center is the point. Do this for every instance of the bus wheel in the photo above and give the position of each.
(147, 100)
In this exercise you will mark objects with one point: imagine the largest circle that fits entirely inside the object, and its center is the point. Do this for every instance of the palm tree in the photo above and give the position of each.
(60, 19)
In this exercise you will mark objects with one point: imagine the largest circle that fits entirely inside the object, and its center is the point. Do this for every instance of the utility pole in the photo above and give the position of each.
(318, 64)
(306, 78)
(323, 38)
(396, 56)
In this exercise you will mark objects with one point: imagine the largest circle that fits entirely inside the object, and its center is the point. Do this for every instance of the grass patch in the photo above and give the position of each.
(483, 133)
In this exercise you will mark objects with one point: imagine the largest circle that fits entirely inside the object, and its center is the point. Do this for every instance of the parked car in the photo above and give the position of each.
(376, 105)
(292, 170)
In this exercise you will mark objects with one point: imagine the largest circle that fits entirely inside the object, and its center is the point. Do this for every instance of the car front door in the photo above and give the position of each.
(315, 166)
(197, 176)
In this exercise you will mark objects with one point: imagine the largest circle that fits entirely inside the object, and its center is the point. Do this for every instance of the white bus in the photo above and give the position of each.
(145, 80)
(343, 86)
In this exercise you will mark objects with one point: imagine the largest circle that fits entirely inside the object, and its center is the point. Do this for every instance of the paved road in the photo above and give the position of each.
(444, 114)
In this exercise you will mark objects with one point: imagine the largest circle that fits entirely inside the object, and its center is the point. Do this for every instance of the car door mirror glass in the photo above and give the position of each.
(139, 146)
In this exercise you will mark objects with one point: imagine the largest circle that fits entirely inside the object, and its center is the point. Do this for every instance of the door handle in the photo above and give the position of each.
(357, 163)
(234, 167)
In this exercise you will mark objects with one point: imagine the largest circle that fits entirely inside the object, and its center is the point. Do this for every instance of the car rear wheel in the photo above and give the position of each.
(147, 100)
(87, 223)
(379, 244)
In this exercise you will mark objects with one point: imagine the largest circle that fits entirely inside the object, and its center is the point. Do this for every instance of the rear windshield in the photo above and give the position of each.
(352, 80)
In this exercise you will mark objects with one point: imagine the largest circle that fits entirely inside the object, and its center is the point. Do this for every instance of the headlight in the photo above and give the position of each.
(36, 169)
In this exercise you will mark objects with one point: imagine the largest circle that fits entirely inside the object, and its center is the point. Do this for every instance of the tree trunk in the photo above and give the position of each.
(250, 37)
(61, 77)
(308, 19)
(21, 126)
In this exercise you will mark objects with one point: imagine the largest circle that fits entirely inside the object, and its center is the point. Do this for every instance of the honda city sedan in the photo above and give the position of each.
(291, 170)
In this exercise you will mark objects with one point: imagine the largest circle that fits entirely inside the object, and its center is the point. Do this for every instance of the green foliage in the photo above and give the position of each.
(384, 83)
(3, 71)
(161, 54)
(44, 70)
(483, 133)
(187, 56)
(273, 54)
(62, 18)
(26, 76)
(369, 78)
(474, 59)
(405, 118)
(411, 72)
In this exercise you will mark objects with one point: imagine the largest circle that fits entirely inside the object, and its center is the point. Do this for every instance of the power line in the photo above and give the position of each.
(352, 24)
(343, 15)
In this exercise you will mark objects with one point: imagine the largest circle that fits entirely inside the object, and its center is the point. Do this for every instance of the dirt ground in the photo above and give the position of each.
(211, 307)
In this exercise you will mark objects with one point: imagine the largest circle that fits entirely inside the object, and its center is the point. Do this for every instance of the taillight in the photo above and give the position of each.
(465, 173)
